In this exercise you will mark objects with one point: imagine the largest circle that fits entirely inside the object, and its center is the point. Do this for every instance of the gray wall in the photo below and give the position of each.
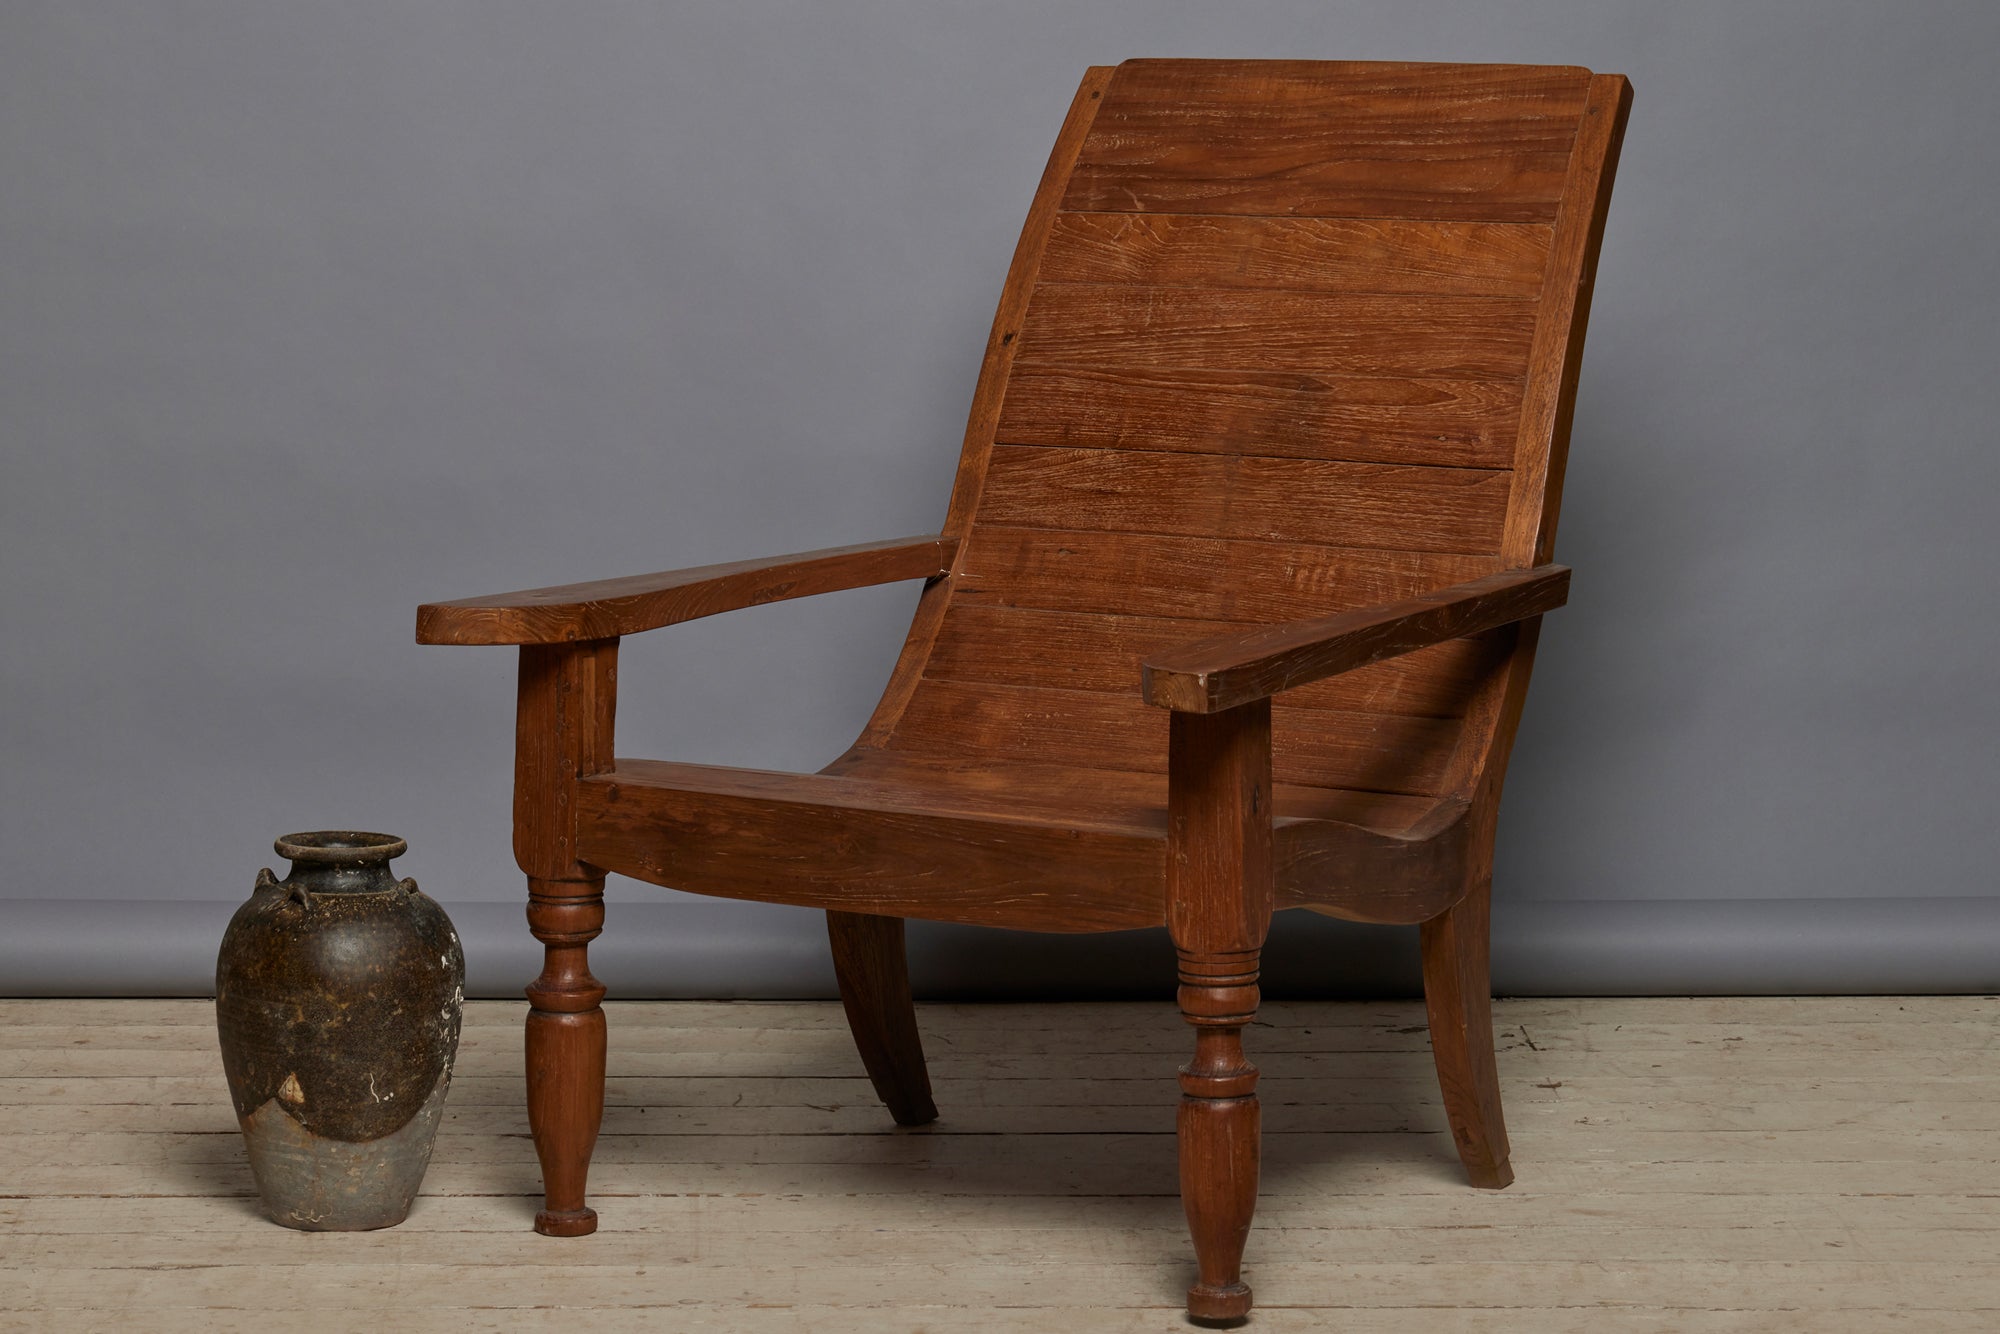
(308, 313)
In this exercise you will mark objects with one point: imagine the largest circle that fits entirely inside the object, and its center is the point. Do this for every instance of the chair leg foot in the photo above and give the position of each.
(565, 1051)
(1458, 994)
(874, 976)
(566, 1223)
(1220, 1131)
(1219, 1306)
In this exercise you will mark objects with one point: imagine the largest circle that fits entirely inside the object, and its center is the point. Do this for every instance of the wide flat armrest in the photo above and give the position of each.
(1210, 675)
(608, 608)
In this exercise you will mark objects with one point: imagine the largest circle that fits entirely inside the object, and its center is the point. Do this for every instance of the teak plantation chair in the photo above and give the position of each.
(1233, 609)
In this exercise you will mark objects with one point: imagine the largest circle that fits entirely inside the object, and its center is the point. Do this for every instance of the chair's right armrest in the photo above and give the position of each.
(610, 608)
(1221, 672)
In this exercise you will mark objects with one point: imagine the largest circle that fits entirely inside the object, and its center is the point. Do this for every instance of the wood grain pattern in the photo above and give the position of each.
(566, 711)
(1298, 254)
(1792, 1179)
(1195, 578)
(1545, 422)
(1368, 751)
(873, 973)
(1001, 345)
(1331, 139)
(1003, 340)
(794, 839)
(1219, 903)
(1399, 508)
(1130, 800)
(1224, 671)
(1557, 355)
(1443, 337)
(1079, 651)
(609, 608)
(1285, 360)
(1458, 998)
(1287, 414)
(1389, 876)
(824, 832)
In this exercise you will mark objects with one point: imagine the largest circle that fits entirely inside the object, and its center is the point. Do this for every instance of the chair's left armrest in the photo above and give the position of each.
(610, 608)
(1210, 675)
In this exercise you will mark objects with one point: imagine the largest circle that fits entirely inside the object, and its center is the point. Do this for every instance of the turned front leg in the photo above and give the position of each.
(565, 1048)
(1220, 1129)
(568, 696)
(1219, 909)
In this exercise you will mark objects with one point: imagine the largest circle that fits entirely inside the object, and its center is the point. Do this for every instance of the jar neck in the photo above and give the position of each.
(373, 877)
(341, 861)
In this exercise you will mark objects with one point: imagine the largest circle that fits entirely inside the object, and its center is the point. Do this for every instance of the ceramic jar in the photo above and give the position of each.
(338, 994)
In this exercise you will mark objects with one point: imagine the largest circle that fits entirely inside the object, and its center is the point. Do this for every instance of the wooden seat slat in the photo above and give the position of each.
(1380, 752)
(1352, 255)
(1334, 139)
(1324, 333)
(1199, 578)
(1078, 651)
(1289, 414)
(1397, 507)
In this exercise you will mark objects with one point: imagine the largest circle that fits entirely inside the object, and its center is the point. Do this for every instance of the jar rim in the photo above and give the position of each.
(340, 847)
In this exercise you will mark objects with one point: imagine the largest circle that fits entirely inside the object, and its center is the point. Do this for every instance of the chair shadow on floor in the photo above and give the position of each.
(1326, 1135)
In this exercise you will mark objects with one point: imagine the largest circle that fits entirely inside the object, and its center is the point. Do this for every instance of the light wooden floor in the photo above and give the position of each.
(1773, 1164)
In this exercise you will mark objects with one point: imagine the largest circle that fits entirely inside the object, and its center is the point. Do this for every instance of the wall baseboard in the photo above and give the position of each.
(686, 947)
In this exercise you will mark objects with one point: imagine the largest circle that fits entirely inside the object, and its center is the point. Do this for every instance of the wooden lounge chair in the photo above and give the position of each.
(1232, 611)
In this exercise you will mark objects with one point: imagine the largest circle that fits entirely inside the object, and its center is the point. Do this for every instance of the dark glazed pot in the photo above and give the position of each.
(337, 997)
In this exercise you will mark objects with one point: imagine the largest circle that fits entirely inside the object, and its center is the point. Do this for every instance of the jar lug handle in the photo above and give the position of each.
(407, 885)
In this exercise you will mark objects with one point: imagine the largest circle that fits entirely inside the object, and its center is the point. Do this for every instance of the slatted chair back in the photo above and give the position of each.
(1280, 340)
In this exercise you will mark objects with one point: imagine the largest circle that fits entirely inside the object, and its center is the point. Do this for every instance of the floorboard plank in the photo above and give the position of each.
(1767, 1164)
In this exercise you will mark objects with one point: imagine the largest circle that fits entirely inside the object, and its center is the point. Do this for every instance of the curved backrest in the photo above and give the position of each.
(1281, 339)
